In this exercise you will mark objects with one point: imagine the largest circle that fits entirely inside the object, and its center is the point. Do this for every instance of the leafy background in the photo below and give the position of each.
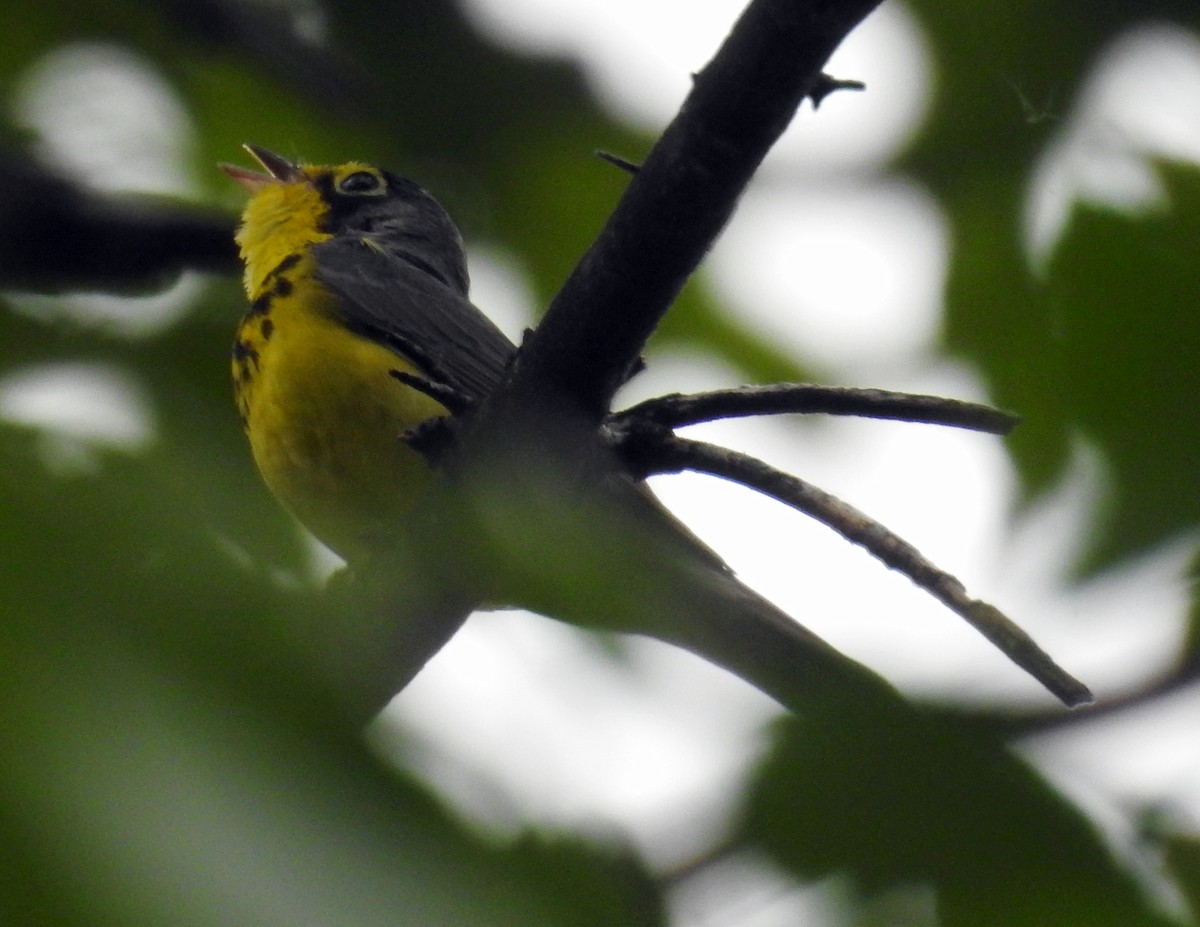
(161, 758)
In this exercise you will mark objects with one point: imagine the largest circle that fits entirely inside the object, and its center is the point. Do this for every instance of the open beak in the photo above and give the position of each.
(279, 170)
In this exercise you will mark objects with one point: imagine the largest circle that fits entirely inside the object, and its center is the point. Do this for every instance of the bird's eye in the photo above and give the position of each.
(360, 183)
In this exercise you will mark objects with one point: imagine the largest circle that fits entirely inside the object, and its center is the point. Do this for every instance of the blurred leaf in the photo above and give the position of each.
(1191, 646)
(166, 758)
(144, 796)
(1007, 75)
(592, 885)
(1105, 348)
(162, 761)
(1182, 852)
(932, 799)
(200, 450)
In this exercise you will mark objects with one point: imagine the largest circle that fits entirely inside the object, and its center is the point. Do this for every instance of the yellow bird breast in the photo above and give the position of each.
(324, 416)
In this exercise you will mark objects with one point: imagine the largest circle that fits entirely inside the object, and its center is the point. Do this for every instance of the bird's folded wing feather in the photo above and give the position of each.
(409, 310)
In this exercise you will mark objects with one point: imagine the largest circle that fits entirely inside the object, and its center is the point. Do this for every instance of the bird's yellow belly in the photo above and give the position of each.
(324, 418)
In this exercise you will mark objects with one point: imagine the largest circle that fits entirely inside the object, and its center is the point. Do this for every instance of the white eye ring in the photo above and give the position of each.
(360, 183)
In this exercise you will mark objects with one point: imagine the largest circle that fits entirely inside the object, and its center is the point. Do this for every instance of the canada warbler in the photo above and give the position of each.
(356, 274)
(352, 272)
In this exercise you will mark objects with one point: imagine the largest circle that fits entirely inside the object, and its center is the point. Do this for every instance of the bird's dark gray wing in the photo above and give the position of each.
(412, 312)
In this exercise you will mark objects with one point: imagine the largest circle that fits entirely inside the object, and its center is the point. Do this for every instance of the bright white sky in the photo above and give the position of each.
(523, 719)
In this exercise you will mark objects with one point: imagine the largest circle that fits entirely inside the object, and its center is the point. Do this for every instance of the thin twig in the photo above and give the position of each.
(676, 410)
(825, 84)
(1168, 684)
(858, 528)
(629, 167)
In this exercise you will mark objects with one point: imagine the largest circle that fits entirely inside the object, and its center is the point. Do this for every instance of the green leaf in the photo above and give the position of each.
(1103, 349)
(1006, 78)
(932, 799)
(166, 758)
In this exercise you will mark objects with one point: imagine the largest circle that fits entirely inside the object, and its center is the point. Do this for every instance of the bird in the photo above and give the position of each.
(360, 336)
(352, 273)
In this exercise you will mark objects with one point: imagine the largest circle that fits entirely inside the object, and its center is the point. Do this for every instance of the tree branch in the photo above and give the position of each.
(677, 410)
(535, 507)
(56, 235)
(674, 454)
(680, 199)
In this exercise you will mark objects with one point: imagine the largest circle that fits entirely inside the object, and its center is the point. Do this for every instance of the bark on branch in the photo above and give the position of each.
(681, 198)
